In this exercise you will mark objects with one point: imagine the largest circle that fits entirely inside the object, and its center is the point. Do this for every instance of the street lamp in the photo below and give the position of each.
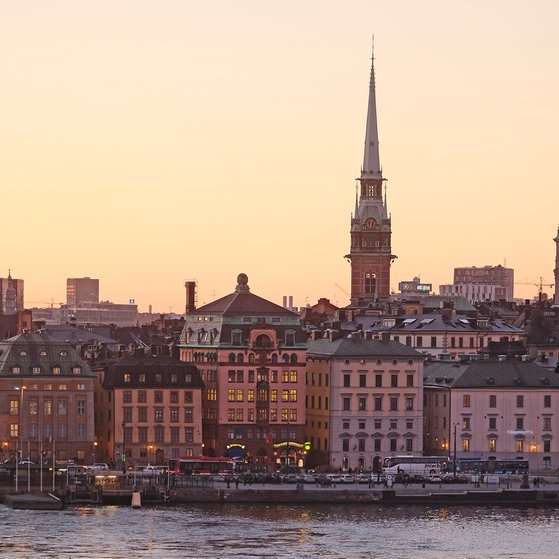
(454, 442)
(20, 429)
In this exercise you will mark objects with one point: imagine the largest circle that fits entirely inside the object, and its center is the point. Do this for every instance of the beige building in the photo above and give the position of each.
(148, 409)
(364, 400)
(46, 400)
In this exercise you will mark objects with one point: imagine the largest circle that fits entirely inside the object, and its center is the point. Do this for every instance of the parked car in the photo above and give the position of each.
(347, 478)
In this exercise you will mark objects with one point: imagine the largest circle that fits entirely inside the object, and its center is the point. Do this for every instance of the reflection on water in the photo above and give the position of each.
(255, 531)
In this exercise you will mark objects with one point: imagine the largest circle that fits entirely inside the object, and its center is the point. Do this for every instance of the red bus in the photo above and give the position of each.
(201, 465)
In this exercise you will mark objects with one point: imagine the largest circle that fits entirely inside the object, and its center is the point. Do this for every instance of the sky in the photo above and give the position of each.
(148, 143)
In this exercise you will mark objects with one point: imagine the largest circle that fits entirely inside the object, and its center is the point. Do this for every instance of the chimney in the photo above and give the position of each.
(190, 287)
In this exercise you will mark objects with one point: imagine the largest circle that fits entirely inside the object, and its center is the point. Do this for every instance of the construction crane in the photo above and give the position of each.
(539, 285)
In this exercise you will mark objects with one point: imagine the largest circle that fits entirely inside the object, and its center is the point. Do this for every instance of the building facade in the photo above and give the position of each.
(46, 393)
(149, 409)
(370, 254)
(503, 409)
(81, 290)
(364, 400)
(252, 356)
(11, 293)
(498, 276)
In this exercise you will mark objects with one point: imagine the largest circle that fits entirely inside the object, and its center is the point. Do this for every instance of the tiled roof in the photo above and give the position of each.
(39, 349)
(486, 374)
(150, 366)
(356, 346)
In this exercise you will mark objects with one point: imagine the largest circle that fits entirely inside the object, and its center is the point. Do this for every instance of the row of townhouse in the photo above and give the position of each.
(253, 386)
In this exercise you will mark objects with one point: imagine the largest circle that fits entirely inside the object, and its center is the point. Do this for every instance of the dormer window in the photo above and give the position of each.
(76, 370)
(36, 370)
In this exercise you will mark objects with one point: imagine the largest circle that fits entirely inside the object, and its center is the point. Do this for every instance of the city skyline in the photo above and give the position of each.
(146, 147)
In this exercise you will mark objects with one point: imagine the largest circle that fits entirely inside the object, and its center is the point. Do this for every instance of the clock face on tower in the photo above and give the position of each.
(370, 223)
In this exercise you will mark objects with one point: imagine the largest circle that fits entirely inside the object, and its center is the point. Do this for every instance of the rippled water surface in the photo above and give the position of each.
(217, 531)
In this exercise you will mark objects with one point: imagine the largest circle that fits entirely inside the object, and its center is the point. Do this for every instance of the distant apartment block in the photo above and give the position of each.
(489, 283)
(81, 290)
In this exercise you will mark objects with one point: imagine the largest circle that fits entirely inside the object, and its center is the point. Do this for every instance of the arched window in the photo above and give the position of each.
(289, 338)
(285, 357)
(274, 357)
(231, 358)
(251, 358)
(293, 358)
(370, 283)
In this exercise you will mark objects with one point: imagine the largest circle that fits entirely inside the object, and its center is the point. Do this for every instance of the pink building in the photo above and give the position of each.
(495, 409)
(252, 357)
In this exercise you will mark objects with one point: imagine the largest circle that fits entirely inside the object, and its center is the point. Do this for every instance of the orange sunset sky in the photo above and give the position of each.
(145, 143)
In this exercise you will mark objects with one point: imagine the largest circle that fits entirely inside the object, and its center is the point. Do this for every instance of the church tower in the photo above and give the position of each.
(371, 250)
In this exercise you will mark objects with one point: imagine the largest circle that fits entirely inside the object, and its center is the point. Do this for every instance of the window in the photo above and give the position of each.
(409, 404)
(466, 445)
(142, 414)
(174, 418)
(175, 435)
(377, 445)
(547, 423)
(188, 396)
(433, 341)
(81, 407)
(285, 395)
(345, 445)
(393, 445)
(188, 415)
(519, 423)
(378, 381)
(239, 395)
(231, 395)
(361, 445)
(14, 407)
(409, 445)
(393, 403)
(127, 397)
(519, 445)
(250, 395)
(47, 407)
(346, 403)
(394, 381)
(409, 381)
(519, 401)
(466, 423)
(189, 434)
(293, 395)
(347, 381)
(378, 404)
(492, 400)
(158, 396)
(492, 423)
(142, 396)
(466, 400)
(546, 446)
(158, 415)
(362, 403)
(362, 381)
(56, 370)
(547, 401)
(174, 397)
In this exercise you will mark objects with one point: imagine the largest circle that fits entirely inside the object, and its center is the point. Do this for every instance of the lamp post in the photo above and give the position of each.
(20, 429)
(454, 442)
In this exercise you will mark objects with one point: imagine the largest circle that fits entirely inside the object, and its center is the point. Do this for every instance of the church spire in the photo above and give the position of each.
(371, 158)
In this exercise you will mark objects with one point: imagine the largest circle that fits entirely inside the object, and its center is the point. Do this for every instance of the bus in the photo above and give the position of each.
(201, 465)
(415, 465)
(492, 466)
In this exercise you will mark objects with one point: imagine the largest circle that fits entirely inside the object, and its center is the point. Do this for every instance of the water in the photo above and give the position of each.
(262, 531)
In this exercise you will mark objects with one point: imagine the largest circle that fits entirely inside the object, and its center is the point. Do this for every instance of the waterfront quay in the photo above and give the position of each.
(176, 490)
